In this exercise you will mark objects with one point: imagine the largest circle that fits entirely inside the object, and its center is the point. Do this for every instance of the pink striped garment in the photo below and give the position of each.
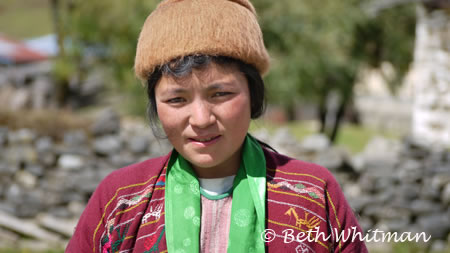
(215, 224)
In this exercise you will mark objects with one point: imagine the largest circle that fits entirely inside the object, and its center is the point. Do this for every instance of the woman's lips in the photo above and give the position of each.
(205, 141)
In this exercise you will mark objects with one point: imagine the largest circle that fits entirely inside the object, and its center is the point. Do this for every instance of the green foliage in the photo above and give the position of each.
(316, 46)
(63, 69)
(389, 37)
(110, 24)
(310, 42)
(320, 46)
(104, 33)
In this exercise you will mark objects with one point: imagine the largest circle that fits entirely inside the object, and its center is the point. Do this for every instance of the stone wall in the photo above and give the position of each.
(377, 113)
(431, 113)
(45, 183)
(32, 86)
(375, 102)
(392, 185)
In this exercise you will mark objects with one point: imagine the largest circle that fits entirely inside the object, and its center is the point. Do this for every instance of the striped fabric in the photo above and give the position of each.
(215, 224)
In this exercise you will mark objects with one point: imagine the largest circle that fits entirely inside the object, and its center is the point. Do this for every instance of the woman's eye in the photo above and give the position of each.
(221, 94)
(175, 100)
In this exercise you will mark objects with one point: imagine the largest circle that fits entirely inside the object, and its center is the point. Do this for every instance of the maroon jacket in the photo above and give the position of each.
(126, 212)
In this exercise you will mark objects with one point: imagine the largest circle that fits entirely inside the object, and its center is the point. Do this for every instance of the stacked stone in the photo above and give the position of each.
(395, 186)
(403, 187)
(45, 183)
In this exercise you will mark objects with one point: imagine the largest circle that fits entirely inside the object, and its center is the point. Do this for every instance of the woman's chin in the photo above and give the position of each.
(203, 162)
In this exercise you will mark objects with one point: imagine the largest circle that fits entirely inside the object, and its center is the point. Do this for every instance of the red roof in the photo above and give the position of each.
(14, 52)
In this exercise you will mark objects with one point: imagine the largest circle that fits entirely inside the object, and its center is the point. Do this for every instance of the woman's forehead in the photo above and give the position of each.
(209, 77)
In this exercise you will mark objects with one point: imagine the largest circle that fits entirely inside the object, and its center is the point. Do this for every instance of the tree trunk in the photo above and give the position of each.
(57, 24)
(431, 71)
(322, 114)
(337, 123)
(291, 112)
(62, 82)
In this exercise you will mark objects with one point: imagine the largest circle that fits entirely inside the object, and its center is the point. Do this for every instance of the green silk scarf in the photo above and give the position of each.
(183, 207)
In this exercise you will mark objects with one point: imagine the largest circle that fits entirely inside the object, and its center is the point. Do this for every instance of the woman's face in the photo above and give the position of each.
(206, 116)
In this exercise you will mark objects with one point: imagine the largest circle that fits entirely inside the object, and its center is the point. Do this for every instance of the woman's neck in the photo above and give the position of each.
(224, 169)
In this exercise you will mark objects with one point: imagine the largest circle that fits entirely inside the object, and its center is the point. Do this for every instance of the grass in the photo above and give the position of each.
(21, 19)
(355, 138)
(298, 129)
(351, 137)
(53, 123)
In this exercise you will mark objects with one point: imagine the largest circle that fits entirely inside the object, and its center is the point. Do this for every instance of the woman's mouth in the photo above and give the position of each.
(205, 141)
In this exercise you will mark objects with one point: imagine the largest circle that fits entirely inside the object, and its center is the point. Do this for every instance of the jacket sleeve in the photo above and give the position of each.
(90, 227)
(347, 234)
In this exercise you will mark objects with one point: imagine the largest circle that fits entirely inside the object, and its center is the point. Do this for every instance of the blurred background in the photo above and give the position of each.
(361, 87)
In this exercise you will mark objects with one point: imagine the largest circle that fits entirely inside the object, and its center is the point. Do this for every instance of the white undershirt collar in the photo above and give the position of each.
(216, 186)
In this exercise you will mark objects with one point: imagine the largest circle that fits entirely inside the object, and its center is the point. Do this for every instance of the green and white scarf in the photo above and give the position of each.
(183, 207)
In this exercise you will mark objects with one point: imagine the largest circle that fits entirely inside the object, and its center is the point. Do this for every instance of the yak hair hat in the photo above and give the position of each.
(178, 28)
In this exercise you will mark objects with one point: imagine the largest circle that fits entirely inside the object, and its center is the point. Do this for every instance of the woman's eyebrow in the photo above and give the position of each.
(174, 91)
(213, 86)
(219, 85)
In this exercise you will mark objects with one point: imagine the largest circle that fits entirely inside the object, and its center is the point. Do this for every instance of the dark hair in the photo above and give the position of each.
(183, 66)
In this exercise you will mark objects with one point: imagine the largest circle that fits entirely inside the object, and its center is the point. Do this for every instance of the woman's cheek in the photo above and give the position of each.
(167, 118)
(238, 107)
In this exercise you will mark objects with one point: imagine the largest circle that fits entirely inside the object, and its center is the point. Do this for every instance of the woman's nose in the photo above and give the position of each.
(201, 114)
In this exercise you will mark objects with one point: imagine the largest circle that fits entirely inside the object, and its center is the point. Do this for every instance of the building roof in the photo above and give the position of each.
(16, 52)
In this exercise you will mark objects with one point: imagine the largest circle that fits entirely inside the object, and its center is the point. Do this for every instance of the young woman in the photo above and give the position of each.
(219, 190)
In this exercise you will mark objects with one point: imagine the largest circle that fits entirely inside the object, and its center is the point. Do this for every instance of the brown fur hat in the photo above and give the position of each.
(178, 28)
